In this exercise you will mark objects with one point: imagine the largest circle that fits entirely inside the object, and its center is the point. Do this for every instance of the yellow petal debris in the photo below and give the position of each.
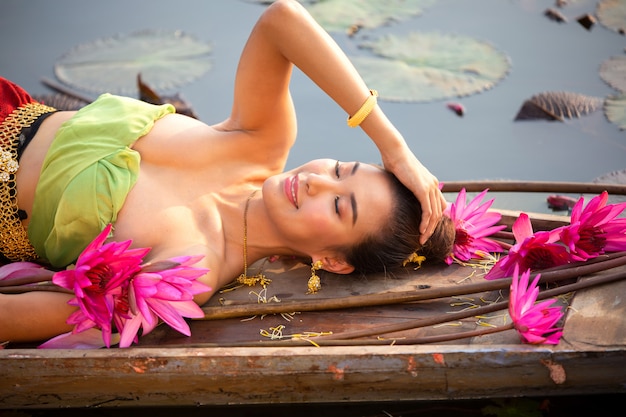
(262, 299)
(414, 258)
(276, 333)
(484, 262)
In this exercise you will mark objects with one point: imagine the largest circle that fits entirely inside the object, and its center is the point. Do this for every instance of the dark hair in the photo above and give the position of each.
(390, 246)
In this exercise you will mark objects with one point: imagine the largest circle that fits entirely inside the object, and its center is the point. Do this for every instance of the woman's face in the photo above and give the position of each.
(326, 203)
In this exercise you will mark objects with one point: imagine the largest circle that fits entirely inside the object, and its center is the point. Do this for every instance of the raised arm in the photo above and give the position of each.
(286, 34)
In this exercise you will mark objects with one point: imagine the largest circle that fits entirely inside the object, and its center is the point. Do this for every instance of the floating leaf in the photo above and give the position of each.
(613, 72)
(614, 177)
(61, 101)
(612, 14)
(164, 59)
(615, 110)
(429, 66)
(554, 14)
(147, 94)
(587, 21)
(350, 16)
(341, 15)
(557, 105)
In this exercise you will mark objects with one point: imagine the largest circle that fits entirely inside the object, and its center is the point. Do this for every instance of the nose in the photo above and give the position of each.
(316, 183)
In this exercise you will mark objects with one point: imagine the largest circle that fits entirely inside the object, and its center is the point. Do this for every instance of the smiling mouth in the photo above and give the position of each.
(292, 189)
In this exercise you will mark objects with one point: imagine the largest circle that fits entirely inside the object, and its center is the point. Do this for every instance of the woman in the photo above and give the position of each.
(182, 187)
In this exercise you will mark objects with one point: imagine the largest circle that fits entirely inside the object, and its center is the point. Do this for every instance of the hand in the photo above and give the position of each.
(410, 171)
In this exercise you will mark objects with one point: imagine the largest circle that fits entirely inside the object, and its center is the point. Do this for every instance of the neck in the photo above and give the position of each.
(262, 239)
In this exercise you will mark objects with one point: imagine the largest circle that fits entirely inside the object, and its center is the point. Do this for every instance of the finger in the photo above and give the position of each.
(425, 223)
(441, 205)
(444, 203)
(435, 216)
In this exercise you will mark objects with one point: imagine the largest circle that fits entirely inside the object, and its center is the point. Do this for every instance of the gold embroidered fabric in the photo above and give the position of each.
(14, 243)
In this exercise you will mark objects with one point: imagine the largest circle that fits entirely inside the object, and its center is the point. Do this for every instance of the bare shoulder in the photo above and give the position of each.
(184, 142)
(181, 140)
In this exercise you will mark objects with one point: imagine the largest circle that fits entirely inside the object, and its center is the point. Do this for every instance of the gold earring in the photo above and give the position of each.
(314, 284)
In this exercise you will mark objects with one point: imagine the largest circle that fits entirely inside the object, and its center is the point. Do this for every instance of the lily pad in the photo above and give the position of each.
(612, 14)
(614, 177)
(147, 94)
(340, 15)
(345, 15)
(613, 72)
(164, 59)
(557, 105)
(615, 110)
(421, 67)
(61, 101)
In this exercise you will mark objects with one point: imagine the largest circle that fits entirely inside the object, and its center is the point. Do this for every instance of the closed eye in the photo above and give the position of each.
(337, 205)
(337, 169)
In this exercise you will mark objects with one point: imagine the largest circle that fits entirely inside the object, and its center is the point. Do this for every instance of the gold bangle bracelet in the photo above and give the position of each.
(365, 110)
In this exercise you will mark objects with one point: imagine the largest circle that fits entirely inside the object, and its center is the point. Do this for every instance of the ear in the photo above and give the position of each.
(336, 265)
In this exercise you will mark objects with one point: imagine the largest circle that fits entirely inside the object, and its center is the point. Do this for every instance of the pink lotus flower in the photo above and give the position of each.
(112, 287)
(532, 251)
(101, 274)
(473, 223)
(163, 290)
(89, 339)
(534, 322)
(595, 230)
(20, 270)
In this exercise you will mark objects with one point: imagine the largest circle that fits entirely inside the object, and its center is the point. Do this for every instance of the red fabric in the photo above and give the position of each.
(12, 96)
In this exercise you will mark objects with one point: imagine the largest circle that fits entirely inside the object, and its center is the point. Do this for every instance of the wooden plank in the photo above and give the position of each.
(535, 186)
(289, 284)
(596, 318)
(172, 370)
(180, 376)
(540, 221)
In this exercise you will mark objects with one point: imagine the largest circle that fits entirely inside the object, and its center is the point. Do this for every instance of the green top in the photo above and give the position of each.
(87, 174)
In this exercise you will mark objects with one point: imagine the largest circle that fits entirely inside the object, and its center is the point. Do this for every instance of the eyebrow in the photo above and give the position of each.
(354, 213)
(355, 167)
(352, 198)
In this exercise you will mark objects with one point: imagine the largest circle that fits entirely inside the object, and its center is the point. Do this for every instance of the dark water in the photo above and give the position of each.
(485, 144)
(596, 406)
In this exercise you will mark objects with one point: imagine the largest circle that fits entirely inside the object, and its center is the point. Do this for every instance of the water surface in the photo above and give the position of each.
(484, 144)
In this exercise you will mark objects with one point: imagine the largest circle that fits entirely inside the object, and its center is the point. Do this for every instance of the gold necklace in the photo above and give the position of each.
(244, 278)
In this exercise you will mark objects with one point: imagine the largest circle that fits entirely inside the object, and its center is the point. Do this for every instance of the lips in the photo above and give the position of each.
(291, 190)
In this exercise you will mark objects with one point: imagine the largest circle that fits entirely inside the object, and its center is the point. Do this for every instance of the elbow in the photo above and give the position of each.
(281, 13)
(285, 6)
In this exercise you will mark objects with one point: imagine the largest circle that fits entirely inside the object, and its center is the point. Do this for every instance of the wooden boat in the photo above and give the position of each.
(359, 339)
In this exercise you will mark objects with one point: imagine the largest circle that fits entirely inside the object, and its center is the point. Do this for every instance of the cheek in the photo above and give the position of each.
(317, 219)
